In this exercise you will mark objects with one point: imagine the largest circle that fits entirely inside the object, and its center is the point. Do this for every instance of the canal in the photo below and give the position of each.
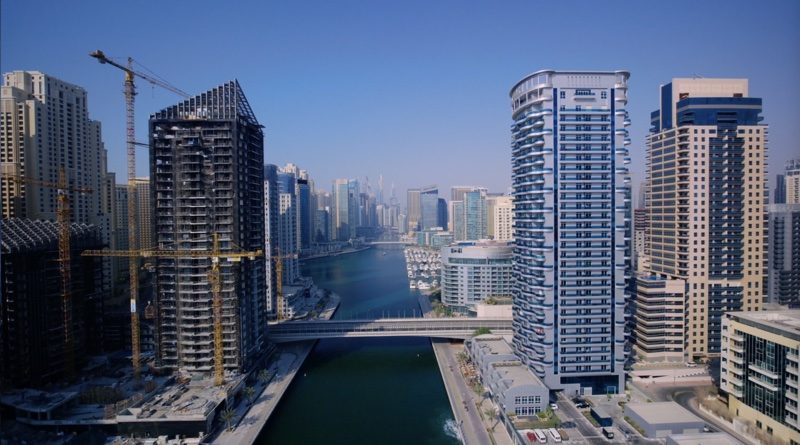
(365, 391)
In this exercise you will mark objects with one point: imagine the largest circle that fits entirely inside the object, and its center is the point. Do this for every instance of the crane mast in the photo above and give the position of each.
(130, 144)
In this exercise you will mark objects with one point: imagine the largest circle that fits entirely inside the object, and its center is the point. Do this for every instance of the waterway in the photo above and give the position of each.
(365, 391)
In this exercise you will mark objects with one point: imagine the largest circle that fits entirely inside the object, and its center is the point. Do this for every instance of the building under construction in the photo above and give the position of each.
(33, 350)
(206, 164)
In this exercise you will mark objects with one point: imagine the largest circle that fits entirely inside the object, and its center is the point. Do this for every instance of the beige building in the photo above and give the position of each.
(144, 220)
(499, 219)
(658, 319)
(759, 371)
(44, 128)
(706, 185)
(792, 178)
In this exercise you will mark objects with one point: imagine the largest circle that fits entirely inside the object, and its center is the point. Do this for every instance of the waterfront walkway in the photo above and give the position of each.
(453, 328)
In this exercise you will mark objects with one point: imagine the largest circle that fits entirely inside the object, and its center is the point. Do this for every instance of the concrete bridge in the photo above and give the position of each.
(454, 328)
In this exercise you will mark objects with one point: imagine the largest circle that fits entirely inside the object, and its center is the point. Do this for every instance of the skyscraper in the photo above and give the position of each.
(288, 245)
(271, 215)
(340, 219)
(792, 178)
(571, 200)
(45, 126)
(305, 212)
(706, 197)
(207, 175)
(475, 215)
(442, 213)
(499, 209)
(458, 219)
(779, 197)
(414, 209)
(144, 220)
(429, 207)
(353, 207)
(783, 273)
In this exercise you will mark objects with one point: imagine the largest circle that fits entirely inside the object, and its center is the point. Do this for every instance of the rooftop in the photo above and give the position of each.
(197, 399)
(34, 401)
(702, 439)
(493, 343)
(662, 412)
(517, 373)
(785, 320)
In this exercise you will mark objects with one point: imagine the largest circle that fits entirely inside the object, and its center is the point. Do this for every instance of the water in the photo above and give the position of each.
(365, 391)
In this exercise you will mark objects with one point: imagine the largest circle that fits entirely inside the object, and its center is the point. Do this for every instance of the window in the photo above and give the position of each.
(562, 95)
(603, 94)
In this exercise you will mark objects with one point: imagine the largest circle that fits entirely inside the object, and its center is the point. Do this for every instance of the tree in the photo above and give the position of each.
(491, 415)
(263, 376)
(227, 416)
(250, 393)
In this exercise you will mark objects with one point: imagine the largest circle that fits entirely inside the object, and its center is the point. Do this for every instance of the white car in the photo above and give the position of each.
(553, 406)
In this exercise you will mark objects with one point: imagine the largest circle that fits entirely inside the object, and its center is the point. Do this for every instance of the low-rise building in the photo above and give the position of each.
(759, 370)
(702, 439)
(658, 319)
(662, 419)
(473, 272)
(512, 385)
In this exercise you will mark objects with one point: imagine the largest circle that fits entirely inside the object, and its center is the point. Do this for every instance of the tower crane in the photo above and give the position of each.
(279, 282)
(64, 257)
(130, 93)
(214, 279)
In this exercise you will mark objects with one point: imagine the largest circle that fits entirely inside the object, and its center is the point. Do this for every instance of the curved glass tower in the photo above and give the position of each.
(572, 227)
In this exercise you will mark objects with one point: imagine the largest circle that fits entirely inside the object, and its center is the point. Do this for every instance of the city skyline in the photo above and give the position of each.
(368, 52)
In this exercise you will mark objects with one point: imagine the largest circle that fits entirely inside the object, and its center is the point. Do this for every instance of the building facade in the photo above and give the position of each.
(34, 350)
(706, 197)
(413, 209)
(475, 272)
(571, 189)
(429, 208)
(207, 178)
(500, 219)
(759, 370)
(288, 244)
(658, 319)
(783, 273)
(792, 181)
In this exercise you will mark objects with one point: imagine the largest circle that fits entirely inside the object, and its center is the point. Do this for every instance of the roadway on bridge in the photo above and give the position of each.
(458, 328)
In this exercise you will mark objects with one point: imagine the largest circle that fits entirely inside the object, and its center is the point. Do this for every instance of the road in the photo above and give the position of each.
(464, 409)
(569, 413)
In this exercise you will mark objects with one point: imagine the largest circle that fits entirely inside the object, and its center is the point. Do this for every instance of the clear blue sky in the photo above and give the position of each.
(416, 90)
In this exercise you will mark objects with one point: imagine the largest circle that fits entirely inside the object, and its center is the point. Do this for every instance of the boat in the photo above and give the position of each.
(412, 285)
(424, 286)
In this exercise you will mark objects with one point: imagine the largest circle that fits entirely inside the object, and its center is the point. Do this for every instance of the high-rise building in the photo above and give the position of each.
(144, 220)
(354, 207)
(45, 128)
(759, 371)
(206, 162)
(457, 194)
(271, 216)
(571, 189)
(340, 219)
(305, 212)
(792, 179)
(322, 225)
(783, 273)
(706, 173)
(441, 213)
(33, 350)
(120, 264)
(429, 207)
(499, 209)
(641, 235)
(288, 245)
(475, 215)
(458, 218)
(414, 209)
(779, 197)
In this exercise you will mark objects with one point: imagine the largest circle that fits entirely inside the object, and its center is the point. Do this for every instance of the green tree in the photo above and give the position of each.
(481, 331)
(250, 393)
(263, 376)
(227, 416)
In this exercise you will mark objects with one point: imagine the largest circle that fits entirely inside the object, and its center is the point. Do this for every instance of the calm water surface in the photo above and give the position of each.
(365, 391)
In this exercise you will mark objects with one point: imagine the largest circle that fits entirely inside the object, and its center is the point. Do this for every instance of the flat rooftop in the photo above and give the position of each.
(195, 400)
(494, 344)
(663, 412)
(702, 439)
(518, 373)
(786, 320)
(35, 401)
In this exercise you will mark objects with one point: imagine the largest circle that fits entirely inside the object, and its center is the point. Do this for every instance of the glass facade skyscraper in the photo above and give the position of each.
(429, 207)
(572, 227)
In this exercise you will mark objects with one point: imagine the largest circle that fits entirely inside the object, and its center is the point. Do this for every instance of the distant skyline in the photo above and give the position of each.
(416, 91)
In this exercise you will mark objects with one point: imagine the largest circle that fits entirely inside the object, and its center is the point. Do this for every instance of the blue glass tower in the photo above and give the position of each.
(572, 227)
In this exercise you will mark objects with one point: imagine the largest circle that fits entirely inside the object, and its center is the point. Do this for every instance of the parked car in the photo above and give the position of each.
(554, 406)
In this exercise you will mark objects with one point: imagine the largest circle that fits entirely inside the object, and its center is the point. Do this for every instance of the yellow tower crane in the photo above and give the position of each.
(216, 255)
(279, 283)
(64, 257)
(130, 93)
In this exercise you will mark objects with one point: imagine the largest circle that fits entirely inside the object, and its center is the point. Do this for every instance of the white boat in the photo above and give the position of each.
(412, 285)
(424, 286)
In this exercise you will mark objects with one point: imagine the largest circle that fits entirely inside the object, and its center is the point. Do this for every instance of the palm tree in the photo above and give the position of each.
(250, 393)
(263, 376)
(491, 415)
(227, 416)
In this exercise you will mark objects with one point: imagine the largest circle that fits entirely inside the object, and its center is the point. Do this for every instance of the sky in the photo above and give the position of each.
(414, 90)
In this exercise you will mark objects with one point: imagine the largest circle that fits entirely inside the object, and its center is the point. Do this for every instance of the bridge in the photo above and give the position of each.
(391, 243)
(453, 328)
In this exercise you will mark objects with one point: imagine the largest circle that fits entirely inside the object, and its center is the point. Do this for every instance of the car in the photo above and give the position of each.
(554, 406)
(707, 429)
